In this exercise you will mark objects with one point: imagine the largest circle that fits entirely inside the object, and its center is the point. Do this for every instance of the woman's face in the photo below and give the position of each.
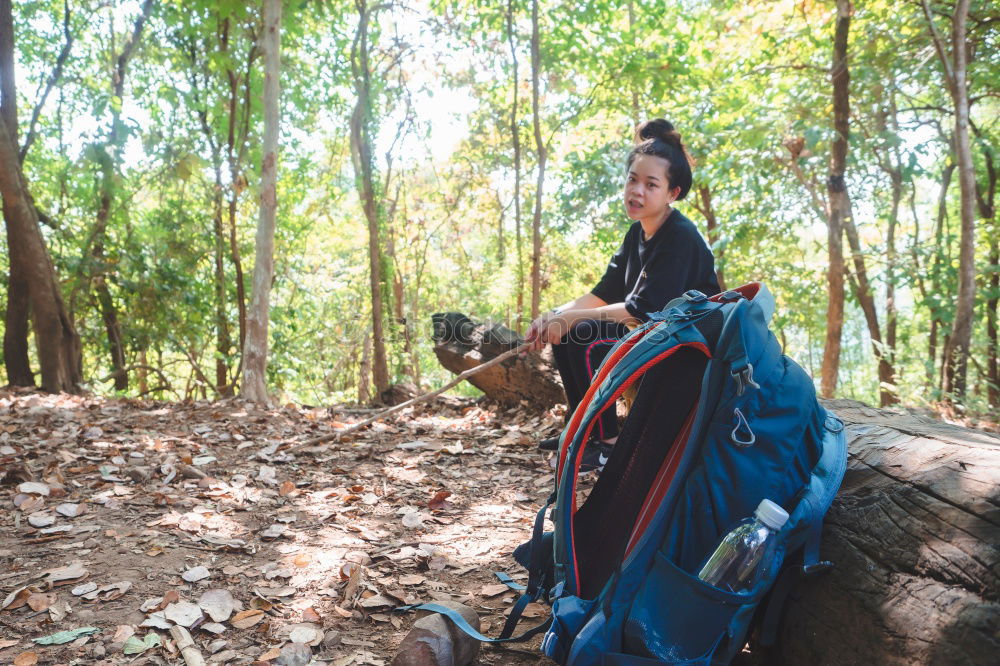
(648, 194)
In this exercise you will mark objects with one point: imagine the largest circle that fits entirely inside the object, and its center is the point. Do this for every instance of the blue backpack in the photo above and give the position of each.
(721, 420)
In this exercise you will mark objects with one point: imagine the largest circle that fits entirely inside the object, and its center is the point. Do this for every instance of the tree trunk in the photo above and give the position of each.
(361, 154)
(530, 378)
(254, 386)
(712, 228)
(936, 270)
(223, 342)
(365, 371)
(109, 157)
(58, 343)
(98, 267)
(515, 134)
(913, 536)
(236, 180)
(15, 335)
(541, 150)
(956, 352)
(986, 200)
(894, 170)
(840, 203)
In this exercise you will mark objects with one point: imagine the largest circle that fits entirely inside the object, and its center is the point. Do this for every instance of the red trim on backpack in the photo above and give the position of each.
(611, 401)
(663, 480)
(748, 291)
(609, 363)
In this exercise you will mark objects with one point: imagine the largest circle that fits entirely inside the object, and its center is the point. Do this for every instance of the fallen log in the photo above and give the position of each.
(461, 344)
(915, 538)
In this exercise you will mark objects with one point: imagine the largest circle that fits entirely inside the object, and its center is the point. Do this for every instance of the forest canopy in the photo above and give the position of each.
(456, 155)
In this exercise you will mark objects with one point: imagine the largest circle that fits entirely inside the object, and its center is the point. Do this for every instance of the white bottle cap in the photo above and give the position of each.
(771, 514)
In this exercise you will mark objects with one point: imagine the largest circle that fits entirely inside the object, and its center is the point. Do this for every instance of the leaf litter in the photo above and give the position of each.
(204, 515)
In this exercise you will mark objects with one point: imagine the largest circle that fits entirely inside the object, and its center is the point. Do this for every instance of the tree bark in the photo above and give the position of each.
(8, 84)
(956, 352)
(986, 201)
(891, 319)
(542, 153)
(912, 534)
(361, 154)
(712, 228)
(839, 201)
(254, 386)
(15, 335)
(58, 344)
(237, 182)
(530, 378)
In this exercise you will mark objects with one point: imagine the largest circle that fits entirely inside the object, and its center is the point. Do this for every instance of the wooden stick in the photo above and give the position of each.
(413, 401)
(192, 656)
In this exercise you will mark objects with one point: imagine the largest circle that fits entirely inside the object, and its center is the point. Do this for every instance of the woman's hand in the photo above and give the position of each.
(548, 328)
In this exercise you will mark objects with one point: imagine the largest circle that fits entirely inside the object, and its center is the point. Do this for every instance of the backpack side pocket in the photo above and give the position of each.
(679, 618)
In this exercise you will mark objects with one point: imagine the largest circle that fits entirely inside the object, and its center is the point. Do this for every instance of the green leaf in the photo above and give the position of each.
(137, 646)
(66, 636)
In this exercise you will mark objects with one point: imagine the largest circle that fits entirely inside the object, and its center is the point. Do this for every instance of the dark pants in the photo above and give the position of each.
(578, 355)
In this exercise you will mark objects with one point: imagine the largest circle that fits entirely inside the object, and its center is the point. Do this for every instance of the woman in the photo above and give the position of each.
(662, 256)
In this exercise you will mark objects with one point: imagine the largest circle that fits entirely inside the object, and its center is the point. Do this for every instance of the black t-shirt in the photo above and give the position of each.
(647, 274)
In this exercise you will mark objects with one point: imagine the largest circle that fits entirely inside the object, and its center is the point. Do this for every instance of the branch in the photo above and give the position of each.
(49, 84)
(800, 66)
(122, 371)
(420, 398)
(949, 73)
(133, 41)
(819, 206)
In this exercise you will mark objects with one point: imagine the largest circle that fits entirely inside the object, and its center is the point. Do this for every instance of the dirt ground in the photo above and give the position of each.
(131, 516)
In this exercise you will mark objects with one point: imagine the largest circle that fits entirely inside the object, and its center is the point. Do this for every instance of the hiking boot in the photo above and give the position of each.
(595, 457)
(549, 443)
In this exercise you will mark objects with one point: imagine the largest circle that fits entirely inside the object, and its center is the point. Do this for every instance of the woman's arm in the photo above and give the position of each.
(552, 326)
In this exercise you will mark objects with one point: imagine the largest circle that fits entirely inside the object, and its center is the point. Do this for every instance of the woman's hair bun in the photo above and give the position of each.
(658, 128)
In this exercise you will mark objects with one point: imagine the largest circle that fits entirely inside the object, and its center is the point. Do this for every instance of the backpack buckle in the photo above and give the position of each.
(694, 296)
(817, 568)
(744, 378)
(742, 427)
(729, 296)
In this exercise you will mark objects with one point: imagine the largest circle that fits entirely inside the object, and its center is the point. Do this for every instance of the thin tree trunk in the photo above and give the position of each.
(58, 344)
(986, 200)
(937, 313)
(712, 228)
(254, 386)
(361, 153)
(399, 301)
(223, 341)
(891, 319)
(236, 181)
(542, 152)
(109, 159)
(515, 134)
(956, 353)
(365, 371)
(840, 203)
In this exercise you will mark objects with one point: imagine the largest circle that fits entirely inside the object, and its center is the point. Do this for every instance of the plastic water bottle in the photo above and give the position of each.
(744, 554)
